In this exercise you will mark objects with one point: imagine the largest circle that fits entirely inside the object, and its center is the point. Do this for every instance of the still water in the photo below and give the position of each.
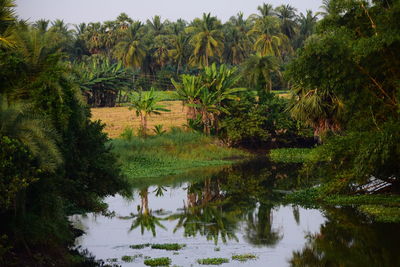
(235, 210)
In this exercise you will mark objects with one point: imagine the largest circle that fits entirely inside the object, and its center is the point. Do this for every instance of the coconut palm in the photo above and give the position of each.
(18, 122)
(287, 15)
(178, 51)
(258, 70)
(237, 45)
(265, 10)
(306, 26)
(7, 19)
(130, 50)
(156, 25)
(268, 40)
(146, 104)
(42, 25)
(207, 40)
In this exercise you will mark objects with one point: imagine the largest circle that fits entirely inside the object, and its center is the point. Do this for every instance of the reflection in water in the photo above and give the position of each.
(259, 230)
(145, 219)
(239, 207)
(348, 240)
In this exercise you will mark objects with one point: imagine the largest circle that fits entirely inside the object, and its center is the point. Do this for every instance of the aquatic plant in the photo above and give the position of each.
(212, 261)
(165, 261)
(244, 257)
(140, 246)
(171, 246)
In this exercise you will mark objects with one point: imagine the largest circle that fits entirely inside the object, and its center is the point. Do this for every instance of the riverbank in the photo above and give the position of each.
(172, 153)
(379, 207)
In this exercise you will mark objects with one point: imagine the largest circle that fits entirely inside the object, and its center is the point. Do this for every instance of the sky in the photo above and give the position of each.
(77, 11)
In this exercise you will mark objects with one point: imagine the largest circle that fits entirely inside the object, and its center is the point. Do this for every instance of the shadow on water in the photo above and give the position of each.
(238, 207)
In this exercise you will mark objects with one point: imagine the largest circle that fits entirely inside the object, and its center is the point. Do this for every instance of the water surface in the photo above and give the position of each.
(235, 210)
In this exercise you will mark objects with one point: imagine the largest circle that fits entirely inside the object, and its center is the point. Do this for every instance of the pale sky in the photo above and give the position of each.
(76, 11)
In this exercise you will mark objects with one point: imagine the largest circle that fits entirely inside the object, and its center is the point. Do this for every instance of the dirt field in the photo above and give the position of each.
(116, 119)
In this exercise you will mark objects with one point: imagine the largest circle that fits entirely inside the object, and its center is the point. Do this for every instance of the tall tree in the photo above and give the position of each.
(130, 50)
(207, 40)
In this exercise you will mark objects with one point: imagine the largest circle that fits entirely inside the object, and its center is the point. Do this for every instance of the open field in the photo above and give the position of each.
(117, 118)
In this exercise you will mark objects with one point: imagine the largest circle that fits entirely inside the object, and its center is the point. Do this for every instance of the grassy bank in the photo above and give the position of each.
(172, 153)
(381, 208)
(291, 155)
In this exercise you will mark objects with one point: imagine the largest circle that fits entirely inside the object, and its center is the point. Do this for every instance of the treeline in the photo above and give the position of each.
(125, 54)
(54, 161)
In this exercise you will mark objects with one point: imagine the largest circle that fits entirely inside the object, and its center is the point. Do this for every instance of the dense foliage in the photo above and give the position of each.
(54, 161)
(347, 88)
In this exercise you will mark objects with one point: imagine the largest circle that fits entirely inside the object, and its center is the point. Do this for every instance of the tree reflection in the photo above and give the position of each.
(203, 213)
(345, 240)
(259, 229)
(145, 219)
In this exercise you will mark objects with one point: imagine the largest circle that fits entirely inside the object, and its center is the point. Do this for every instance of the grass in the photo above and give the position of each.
(165, 261)
(382, 213)
(212, 261)
(291, 155)
(118, 118)
(172, 153)
(244, 257)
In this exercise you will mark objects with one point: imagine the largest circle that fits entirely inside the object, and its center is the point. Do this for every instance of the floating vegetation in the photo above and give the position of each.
(244, 257)
(171, 246)
(165, 261)
(175, 253)
(212, 261)
(127, 258)
(140, 246)
(217, 249)
(112, 260)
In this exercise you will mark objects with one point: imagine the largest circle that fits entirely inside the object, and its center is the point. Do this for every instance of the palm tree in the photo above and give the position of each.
(258, 70)
(145, 104)
(130, 50)
(18, 122)
(287, 15)
(306, 26)
(320, 109)
(156, 25)
(7, 19)
(265, 10)
(207, 40)
(42, 25)
(26, 140)
(123, 21)
(237, 45)
(268, 40)
(178, 51)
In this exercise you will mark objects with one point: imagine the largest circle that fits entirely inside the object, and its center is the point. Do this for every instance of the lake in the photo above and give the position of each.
(233, 210)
